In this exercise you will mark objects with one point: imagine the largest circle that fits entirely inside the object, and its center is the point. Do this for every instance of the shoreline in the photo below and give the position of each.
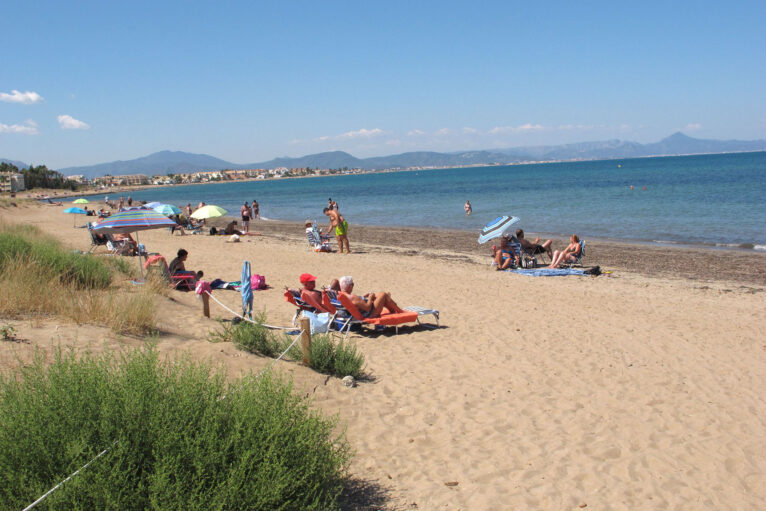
(704, 264)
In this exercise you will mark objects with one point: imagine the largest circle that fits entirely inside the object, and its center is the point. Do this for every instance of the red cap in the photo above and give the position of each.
(306, 277)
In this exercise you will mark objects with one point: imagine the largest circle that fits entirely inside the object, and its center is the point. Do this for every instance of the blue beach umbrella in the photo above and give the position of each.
(167, 209)
(75, 211)
(497, 227)
(247, 291)
(152, 205)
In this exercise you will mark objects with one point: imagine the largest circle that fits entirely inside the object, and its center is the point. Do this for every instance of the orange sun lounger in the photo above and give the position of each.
(387, 318)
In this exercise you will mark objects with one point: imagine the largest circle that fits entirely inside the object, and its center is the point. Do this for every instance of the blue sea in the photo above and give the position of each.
(714, 200)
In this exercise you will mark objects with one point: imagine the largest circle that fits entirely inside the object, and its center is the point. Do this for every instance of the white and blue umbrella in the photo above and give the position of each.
(497, 227)
(167, 209)
(247, 291)
(152, 205)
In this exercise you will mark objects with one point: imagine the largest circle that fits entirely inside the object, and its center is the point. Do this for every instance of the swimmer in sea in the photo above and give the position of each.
(340, 225)
(467, 207)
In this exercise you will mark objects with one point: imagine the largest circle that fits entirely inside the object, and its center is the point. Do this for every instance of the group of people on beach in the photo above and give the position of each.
(505, 255)
(370, 305)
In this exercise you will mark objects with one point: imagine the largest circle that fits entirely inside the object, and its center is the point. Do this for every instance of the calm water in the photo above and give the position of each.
(707, 199)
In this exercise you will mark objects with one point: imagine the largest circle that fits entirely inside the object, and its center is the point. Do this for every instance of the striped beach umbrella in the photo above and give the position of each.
(497, 228)
(133, 221)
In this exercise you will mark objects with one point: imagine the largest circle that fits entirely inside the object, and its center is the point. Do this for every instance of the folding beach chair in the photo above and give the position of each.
(386, 318)
(96, 240)
(578, 261)
(158, 264)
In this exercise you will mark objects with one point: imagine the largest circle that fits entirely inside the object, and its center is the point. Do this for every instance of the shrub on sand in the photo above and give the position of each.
(178, 436)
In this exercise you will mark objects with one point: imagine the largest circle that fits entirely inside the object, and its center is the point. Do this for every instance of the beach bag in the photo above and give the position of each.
(320, 323)
(528, 262)
(257, 282)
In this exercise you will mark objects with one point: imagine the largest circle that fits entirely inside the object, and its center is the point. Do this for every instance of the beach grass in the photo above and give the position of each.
(178, 437)
(40, 277)
(326, 356)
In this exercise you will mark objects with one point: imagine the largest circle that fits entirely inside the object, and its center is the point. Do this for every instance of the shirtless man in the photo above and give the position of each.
(371, 304)
(309, 294)
(340, 225)
(245, 212)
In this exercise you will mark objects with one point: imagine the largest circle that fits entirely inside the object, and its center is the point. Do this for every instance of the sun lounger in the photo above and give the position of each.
(158, 264)
(387, 318)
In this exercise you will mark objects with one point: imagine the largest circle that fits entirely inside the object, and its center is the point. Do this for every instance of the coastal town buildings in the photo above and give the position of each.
(11, 182)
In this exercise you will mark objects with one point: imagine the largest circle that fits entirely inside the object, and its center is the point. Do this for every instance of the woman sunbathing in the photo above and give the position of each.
(569, 255)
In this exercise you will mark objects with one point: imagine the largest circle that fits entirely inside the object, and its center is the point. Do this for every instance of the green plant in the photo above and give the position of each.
(340, 359)
(178, 437)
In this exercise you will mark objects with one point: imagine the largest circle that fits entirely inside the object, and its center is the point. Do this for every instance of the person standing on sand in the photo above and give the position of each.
(341, 228)
(256, 210)
(467, 207)
(245, 211)
(188, 211)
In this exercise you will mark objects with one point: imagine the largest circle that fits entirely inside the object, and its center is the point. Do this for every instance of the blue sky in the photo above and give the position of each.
(89, 82)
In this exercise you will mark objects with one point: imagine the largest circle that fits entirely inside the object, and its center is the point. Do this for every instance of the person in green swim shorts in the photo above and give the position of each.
(341, 228)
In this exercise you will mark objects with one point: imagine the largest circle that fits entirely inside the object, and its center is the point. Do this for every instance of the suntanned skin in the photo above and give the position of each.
(311, 296)
(568, 255)
(335, 220)
(503, 264)
(375, 302)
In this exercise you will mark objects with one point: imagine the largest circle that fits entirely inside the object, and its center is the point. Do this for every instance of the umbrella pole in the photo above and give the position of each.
(140, 266)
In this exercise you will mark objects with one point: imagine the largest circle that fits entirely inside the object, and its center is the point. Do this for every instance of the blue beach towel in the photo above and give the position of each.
(549, 272)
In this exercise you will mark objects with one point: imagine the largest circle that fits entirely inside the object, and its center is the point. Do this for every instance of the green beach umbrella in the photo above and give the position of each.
(81, 201)
(208, 212)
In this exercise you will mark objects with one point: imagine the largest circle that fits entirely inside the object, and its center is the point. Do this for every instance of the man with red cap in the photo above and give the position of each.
(309, 294)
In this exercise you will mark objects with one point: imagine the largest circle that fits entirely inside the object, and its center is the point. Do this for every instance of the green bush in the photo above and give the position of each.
(340, 359)
(179, 438)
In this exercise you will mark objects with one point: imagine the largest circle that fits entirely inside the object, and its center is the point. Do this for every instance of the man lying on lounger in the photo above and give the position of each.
(371, 304)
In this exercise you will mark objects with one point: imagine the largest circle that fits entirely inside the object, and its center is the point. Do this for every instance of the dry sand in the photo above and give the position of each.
(633, 390)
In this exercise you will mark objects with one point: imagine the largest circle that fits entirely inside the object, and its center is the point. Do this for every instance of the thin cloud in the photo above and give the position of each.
(27, 128)
(693, 126)
(362, 133)
(443, 131)
(415, 133)
(524, 128)
(25, 98)
(470, 130)
(67, 122)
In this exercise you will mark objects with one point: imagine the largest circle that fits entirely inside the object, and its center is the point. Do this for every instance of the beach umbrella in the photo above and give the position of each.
(167, 209)
(133, 221)
(247, 291)
(75, 211)
(497, 227)
(208, 212)
(81, 201)
(152, 205)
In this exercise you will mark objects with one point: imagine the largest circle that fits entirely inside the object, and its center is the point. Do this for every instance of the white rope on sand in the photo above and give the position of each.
(246, 318)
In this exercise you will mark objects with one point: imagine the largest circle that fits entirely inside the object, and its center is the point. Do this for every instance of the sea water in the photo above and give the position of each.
(717, 200)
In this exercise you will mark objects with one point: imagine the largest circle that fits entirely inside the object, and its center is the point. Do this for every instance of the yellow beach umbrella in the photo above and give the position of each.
(81, 201)
(208, 212)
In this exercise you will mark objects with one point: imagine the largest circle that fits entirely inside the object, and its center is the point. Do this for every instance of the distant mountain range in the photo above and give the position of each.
(17, 164)
(165, 162)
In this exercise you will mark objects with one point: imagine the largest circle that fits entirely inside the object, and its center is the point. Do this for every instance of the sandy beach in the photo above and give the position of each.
(637, 389)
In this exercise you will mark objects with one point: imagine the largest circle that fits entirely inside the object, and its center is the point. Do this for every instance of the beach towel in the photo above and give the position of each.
(246, 290)
(549, 272)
